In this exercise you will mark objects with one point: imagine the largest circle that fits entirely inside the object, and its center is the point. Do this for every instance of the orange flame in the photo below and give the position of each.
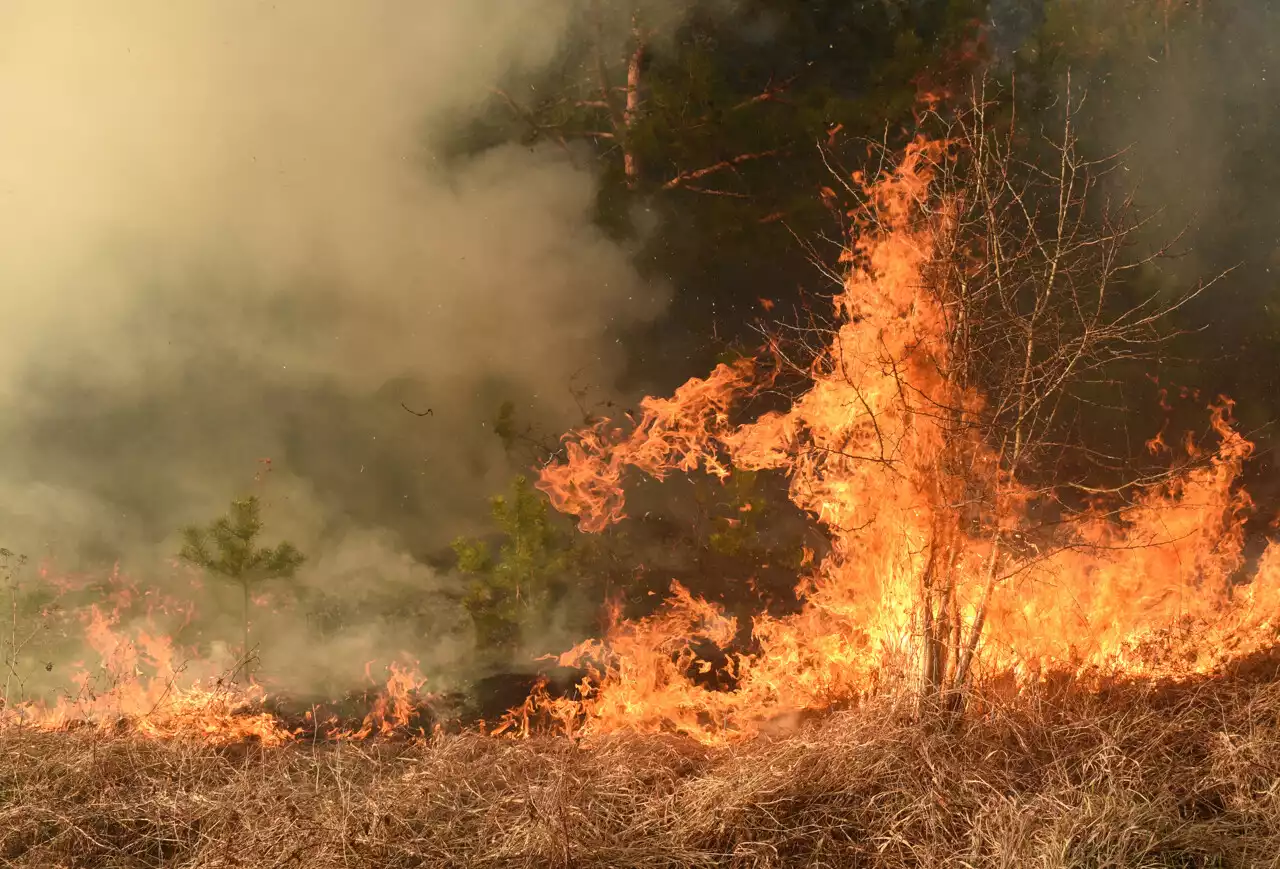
(674, 434)
(141, 687)
(862, 449)
(395, 706)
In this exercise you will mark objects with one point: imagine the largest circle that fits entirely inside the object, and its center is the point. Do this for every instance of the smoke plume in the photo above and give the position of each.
(233, 232)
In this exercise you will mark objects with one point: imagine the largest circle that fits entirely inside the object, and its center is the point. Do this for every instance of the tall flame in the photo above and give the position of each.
(865, 450)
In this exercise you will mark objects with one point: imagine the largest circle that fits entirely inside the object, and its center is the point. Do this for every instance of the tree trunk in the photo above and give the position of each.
(965, 661)
(244, 612)
(631, 162)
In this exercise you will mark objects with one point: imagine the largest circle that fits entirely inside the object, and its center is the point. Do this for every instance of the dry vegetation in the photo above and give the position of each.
(1133, 775)
(1184, 776)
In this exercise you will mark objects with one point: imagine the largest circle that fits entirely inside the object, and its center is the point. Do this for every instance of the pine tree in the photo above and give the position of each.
(514, 588)
(227, 548)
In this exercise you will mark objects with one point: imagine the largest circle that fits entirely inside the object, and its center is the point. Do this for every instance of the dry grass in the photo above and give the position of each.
(1183, 778)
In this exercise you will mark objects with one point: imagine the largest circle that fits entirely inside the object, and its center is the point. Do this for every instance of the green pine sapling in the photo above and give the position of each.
(227, 548)
(508, 590)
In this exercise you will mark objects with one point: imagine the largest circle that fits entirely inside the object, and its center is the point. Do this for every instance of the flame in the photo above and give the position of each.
(1147, 592)
(395, 706)
(1141, 588)
(144, 686)
(676, 433)
(140, 687)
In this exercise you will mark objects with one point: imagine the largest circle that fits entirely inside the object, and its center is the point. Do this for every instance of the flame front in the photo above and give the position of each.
(866, 451)
(140, 687)
(920, 588)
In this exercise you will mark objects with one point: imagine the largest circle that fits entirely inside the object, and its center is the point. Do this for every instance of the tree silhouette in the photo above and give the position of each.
(226, 547)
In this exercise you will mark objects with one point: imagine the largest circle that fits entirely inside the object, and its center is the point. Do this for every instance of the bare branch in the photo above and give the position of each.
(693, 175)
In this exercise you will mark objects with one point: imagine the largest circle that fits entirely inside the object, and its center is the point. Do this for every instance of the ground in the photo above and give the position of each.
(1142, 775)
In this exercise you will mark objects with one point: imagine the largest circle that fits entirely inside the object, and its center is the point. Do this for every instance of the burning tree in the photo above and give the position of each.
(1026, 308)
(989, 301)
(228, 548)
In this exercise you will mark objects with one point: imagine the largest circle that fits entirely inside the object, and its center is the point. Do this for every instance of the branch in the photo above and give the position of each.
(528, 117)
(693, 175)
(770, 92)
(713, 192)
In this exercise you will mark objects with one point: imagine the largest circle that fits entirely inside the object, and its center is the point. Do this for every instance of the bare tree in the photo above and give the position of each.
(1039, 276)
(1036, 272)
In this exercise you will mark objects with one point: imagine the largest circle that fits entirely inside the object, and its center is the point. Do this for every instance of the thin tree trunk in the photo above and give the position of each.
(930, 645)
(631, 162)
(933, 623)
(621, 118)
(11, 656)
(244, 586)
(965, 662)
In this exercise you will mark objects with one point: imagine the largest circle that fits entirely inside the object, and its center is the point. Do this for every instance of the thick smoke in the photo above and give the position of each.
(231, 232)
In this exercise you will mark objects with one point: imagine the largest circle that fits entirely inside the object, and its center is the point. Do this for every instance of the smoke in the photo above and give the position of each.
(1192, 102)
(232, 233)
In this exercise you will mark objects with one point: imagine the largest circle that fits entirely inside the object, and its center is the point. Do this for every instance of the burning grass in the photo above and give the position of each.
(954, 568)
(1142, 775)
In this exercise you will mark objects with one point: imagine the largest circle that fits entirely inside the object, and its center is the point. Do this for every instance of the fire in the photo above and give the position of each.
(142, 685)
(676, 434)
(1145, 589)
(937, 577)
(394, 708)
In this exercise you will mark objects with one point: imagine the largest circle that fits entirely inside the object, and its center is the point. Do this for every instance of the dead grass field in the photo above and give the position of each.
(1140, 777)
